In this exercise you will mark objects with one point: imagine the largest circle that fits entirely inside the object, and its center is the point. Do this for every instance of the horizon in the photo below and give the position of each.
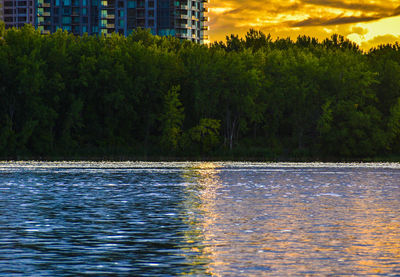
(367, 23)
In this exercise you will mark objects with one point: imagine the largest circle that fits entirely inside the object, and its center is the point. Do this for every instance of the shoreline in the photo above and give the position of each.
(393, 159)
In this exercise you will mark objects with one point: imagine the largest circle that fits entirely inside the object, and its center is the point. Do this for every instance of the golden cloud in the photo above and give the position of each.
(317, 18)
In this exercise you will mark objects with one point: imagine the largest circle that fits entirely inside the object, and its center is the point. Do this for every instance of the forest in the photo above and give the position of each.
(149, 97)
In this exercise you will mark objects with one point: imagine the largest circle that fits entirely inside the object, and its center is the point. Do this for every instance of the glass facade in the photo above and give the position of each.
(184, 19)
(1, 10)
(17, 13)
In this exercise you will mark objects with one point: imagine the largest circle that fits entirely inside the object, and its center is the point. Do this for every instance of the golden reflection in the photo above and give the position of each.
(201, 196)
(254, 223)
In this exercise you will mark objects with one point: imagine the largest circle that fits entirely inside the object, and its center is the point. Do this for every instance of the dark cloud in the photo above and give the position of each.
(333, 21)
(381, 8)
(370, 12)
(359, 30)
(396, 11)
(284, 9)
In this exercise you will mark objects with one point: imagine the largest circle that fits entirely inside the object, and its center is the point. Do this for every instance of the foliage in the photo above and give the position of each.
(172, 119)
(206, 134)
(95, 96)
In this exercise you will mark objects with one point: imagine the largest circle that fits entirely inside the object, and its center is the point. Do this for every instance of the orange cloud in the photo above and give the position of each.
(317, 18)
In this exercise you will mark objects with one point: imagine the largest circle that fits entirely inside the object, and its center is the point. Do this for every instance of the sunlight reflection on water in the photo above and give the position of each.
(297, 219)
(222, 219)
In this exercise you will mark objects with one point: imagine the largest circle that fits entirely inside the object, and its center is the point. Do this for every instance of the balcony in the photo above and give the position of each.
(110, 26)
(182, 7)
(182, 35)
(182, 16)
(44, 5)
(204, 10)
(182, 26)
(204, 1)
(205, 28)
(110, 16)
(205, 18)
(47, 14)
(204, 37)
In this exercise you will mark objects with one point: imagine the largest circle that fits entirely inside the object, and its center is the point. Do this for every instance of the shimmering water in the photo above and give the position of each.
(222, 219)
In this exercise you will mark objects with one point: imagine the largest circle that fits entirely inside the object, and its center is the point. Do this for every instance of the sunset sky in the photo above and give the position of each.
(367, 23)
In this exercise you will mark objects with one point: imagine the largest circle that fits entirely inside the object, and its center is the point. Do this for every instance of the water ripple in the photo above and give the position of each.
(223, 219)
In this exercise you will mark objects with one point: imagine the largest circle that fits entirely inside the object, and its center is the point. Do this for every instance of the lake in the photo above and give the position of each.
(219, 218)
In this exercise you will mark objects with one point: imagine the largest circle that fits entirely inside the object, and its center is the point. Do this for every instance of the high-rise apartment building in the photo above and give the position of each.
(17, 13)
(1, 11)
(185, 19)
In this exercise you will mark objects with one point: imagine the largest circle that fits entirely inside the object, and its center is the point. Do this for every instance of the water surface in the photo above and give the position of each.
(222, 219)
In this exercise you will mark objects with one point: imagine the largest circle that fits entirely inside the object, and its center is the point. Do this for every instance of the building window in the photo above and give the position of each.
(131, 4)
(66, 20)
(141, 4)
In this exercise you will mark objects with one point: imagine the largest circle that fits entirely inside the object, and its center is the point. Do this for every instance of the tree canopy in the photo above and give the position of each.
(65, 96)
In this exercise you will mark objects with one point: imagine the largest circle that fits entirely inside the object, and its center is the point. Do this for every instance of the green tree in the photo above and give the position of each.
(172, 119)
(2, 28)
(206, 134)
(351, 125)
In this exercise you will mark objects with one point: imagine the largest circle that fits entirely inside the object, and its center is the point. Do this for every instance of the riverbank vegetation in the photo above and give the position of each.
(64, 96)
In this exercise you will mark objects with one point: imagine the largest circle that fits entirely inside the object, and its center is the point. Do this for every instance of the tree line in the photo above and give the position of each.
(66, 96)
